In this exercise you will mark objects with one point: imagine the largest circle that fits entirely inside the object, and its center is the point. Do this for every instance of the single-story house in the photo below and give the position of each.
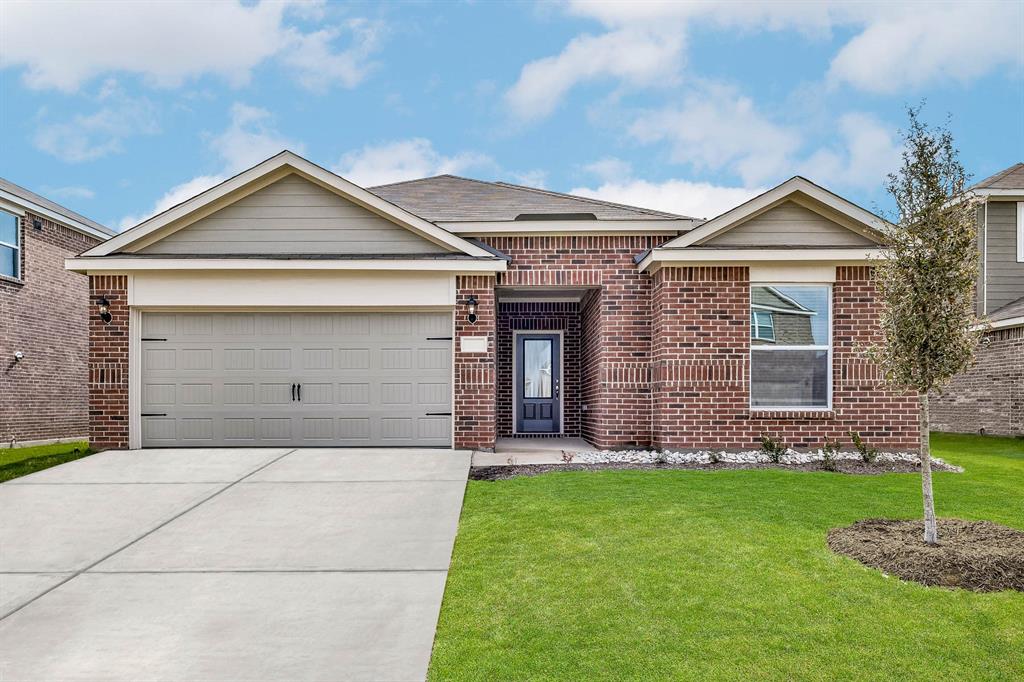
(289, 306)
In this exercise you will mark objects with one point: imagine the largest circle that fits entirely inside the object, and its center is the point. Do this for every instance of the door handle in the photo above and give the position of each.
(293, 392)
(556, 388)
(300, 392)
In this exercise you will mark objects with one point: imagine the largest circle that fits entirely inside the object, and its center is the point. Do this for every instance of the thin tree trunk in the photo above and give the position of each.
(931, 531)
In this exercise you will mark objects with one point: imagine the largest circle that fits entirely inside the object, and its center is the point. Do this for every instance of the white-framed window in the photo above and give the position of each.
(1020, 231)
(10, 245)
(762, 325)
(791, 365)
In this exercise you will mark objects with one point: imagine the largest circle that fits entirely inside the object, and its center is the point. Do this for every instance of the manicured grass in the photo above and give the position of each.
(720, 575)
(15, 462)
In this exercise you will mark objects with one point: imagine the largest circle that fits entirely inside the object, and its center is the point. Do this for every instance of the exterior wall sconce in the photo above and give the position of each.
(472, 309)
(104, 305)
(18, 356)
(37, 223)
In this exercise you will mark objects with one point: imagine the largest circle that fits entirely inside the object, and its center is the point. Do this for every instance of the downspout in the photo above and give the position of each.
(984, 263)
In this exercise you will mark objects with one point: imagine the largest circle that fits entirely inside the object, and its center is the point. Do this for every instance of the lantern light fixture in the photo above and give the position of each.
(104, 306)
(471, 303)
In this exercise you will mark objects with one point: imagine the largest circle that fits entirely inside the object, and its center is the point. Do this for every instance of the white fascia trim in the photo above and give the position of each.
(25, 205)
(1001, 193)
(1001, 324)
(1020, 231)
(288, 161)
(663, 256)
(774, 196)
(513, 227)
(87, 264)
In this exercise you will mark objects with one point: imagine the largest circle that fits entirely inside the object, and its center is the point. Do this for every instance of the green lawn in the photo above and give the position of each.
(719, 575)
(15, 462)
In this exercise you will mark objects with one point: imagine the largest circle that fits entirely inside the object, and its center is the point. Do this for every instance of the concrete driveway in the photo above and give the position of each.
(215, 564)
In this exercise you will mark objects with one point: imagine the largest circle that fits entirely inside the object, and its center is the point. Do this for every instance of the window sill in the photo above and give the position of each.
(5, 279)
(786, 413)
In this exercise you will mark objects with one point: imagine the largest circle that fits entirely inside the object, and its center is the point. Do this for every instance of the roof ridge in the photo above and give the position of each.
(412, 180)
(591, 200)
(58, 208)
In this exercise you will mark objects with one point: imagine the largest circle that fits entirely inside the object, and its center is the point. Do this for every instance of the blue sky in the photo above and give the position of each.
(118, 110)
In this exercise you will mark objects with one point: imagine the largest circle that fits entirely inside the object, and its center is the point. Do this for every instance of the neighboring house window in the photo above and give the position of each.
(10, 246)
(762, 327)
(791, 355)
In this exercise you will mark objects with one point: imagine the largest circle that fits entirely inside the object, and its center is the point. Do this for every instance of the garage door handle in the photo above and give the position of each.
(293, 392)
(299, 386)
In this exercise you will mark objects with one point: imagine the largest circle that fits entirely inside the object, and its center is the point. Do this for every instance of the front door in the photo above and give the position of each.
(538, 378)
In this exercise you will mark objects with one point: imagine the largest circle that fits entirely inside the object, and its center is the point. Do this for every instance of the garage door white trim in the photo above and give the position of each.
(377, 416)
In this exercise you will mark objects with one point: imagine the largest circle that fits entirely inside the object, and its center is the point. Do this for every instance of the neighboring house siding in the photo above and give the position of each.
(988, 397)
(291, 216)
(789, 224)
(45, 396)
(701, 368)
(563, 317)
(1005, 275)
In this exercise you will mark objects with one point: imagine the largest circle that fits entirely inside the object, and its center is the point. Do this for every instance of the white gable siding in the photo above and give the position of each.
(293, 215)
(789, 224)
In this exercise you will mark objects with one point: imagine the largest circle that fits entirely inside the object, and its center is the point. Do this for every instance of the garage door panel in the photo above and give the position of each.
(227, 378)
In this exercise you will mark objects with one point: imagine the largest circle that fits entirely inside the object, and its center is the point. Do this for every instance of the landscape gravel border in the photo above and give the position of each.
(790, 457)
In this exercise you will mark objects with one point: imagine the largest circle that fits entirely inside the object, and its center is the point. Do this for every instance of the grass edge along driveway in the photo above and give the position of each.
(16, 462)
(720, 575)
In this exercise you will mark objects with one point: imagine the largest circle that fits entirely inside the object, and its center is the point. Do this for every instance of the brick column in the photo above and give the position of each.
(108, 363)
(700, 356)
(475, 389)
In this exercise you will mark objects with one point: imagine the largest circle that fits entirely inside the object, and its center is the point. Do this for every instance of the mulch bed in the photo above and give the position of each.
(501, 473)
(973, 555)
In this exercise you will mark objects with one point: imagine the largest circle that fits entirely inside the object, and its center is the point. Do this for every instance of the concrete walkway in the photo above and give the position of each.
(246, 564)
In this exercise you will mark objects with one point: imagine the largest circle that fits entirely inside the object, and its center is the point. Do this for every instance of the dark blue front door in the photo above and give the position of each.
(538, 374)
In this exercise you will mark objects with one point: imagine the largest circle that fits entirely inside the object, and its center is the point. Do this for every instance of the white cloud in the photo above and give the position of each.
(696, 199)
(717, 128)
(609, 169)
(318, 67)
(404, 160)
(168, 43)
(639, 57)
(869, 151)
(899, 45)
(90, 136)
(249, 139)
(69, 192)
(910, 46)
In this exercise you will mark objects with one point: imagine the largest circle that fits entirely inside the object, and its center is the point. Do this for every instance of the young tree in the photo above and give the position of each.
(927, 278)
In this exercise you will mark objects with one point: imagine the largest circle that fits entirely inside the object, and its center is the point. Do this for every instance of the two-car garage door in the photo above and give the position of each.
(296, 378)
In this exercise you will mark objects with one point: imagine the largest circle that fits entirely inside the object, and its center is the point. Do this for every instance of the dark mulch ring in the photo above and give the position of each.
(973, 555)
(501, 473)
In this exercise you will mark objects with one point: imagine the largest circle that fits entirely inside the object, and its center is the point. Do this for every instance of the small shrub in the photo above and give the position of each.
(567, 457)
(714, 458)
(867, 453)
(773, 447)
(829, 454)
(661, 457)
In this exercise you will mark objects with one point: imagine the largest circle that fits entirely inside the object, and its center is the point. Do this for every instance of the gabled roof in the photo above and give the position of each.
(1009, 178)
(450, 199)
(36, 203)
(1010, 311)
(262, 174)
(862, 221)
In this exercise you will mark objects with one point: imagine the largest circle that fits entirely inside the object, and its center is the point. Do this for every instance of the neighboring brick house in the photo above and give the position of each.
(288, 306)
(44, 341)
(989, 397)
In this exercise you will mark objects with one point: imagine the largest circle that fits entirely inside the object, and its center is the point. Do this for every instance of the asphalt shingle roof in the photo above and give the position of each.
(1008, 311)
(29, 195)
(1010, 178)
(449, 198)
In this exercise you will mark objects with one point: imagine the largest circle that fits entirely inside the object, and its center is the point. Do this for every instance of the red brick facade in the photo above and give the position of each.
(701, 368)
(660, 360)
(108, 363)
(43, 315)
(475, 389)
(988, 397)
